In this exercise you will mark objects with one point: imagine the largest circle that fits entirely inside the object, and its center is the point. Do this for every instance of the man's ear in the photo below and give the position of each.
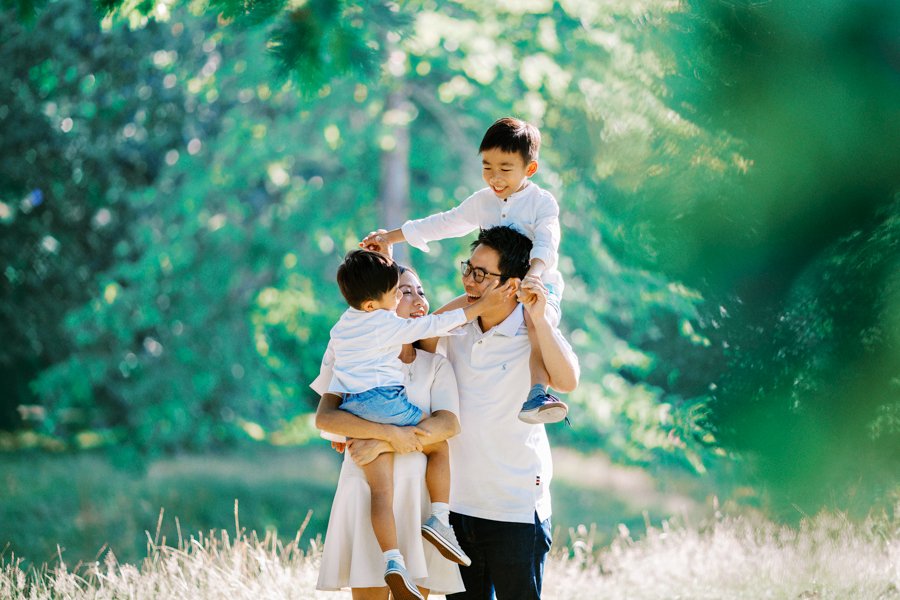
(514, 283)
(532, 168)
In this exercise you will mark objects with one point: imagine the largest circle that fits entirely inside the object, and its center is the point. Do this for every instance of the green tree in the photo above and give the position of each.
(801, 253)
(79, 134)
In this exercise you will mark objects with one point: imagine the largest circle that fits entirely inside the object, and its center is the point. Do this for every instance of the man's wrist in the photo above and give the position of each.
(539, 319)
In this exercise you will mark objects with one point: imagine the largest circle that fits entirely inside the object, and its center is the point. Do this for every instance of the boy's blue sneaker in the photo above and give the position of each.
(543, 408)
(402, 587)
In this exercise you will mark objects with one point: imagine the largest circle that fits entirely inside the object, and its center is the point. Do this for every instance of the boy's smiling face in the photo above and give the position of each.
(505, 172)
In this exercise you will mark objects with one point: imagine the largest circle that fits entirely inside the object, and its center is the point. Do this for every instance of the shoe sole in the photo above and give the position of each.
(544, 415)
(399, 588)
(444, 546)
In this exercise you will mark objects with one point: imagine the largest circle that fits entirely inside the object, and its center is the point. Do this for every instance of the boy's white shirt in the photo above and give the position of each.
(532, 211)
(367, 346)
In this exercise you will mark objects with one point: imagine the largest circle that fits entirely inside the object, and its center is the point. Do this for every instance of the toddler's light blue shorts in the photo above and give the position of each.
(387, 404)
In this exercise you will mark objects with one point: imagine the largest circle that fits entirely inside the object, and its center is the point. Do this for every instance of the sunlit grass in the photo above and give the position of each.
(825, 557)
(736, 558)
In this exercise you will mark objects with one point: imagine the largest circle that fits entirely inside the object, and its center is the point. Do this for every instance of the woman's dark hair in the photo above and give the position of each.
(366, 275)
(513, 247)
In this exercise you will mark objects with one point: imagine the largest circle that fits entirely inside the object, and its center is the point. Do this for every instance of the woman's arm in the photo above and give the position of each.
(332, 419)
(441, 425)
(444, 402)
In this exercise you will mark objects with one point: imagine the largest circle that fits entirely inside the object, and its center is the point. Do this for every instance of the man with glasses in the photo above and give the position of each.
(501, 466)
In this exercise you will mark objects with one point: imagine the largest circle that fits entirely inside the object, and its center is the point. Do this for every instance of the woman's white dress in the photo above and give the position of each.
(351, 557)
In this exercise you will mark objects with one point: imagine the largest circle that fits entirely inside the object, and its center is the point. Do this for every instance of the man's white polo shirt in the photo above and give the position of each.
(500, 467)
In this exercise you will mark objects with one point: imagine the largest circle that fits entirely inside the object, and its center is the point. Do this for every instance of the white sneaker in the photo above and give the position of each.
(444, 539)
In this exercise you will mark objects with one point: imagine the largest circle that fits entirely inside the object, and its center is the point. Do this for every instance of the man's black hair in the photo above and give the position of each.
(515, 136)
(513, 247)
(366, 275)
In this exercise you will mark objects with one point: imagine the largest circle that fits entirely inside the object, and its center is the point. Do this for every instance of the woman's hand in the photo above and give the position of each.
(339, 446)
(365, 451)
(405, 439)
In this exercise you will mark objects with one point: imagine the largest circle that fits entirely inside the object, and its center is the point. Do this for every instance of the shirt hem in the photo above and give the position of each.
(504, 517)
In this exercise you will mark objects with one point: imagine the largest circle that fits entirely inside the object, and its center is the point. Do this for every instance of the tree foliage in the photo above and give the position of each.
(728, 206)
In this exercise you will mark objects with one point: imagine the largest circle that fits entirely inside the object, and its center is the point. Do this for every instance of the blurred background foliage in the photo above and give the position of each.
(181, 179)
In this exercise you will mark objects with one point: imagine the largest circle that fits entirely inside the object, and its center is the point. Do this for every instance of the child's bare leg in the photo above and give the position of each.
(437, 472)
(380, 475)
(437, 529)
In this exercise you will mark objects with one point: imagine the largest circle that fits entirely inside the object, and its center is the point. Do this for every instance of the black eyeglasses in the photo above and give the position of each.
(478, 274)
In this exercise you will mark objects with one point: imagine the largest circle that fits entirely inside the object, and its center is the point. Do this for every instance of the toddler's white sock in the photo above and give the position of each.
(394, 554)
(441, 510)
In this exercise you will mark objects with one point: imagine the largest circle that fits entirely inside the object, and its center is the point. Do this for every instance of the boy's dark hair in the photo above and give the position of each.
(366, 275)
(513, 247)
(513, 135)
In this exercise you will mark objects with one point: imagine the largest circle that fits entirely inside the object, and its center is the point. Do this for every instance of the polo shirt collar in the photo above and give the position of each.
(510, 325)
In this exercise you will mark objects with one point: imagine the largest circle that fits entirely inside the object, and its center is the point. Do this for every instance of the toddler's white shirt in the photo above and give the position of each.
(532, 211)
(367, 346)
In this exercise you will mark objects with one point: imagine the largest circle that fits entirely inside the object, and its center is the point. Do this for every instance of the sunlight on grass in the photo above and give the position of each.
(825, 557)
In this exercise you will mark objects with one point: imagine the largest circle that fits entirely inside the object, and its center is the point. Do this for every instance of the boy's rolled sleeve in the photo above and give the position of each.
(413, 237)
(547, 232)
(453, 223)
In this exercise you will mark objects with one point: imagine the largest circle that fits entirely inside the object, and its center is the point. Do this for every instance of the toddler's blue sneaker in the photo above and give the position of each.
(543, 408)
(402, 587)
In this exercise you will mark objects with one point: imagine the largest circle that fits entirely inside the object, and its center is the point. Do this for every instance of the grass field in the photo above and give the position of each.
(98, 532)
(78, 504)
(825, 558)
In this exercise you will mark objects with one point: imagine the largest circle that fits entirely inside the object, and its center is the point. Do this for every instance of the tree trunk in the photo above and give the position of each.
(394, 192)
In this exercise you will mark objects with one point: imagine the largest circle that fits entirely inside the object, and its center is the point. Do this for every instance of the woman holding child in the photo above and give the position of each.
(351, 556)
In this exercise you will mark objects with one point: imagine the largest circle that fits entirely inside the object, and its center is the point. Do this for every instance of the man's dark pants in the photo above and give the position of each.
(507, 558)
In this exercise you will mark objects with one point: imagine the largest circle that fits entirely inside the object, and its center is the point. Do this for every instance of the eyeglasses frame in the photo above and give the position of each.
(467, 269)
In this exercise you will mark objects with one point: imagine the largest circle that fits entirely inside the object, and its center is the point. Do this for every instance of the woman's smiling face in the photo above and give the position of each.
(413, 303)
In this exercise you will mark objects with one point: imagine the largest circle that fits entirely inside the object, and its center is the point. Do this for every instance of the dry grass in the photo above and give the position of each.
(826, 557)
